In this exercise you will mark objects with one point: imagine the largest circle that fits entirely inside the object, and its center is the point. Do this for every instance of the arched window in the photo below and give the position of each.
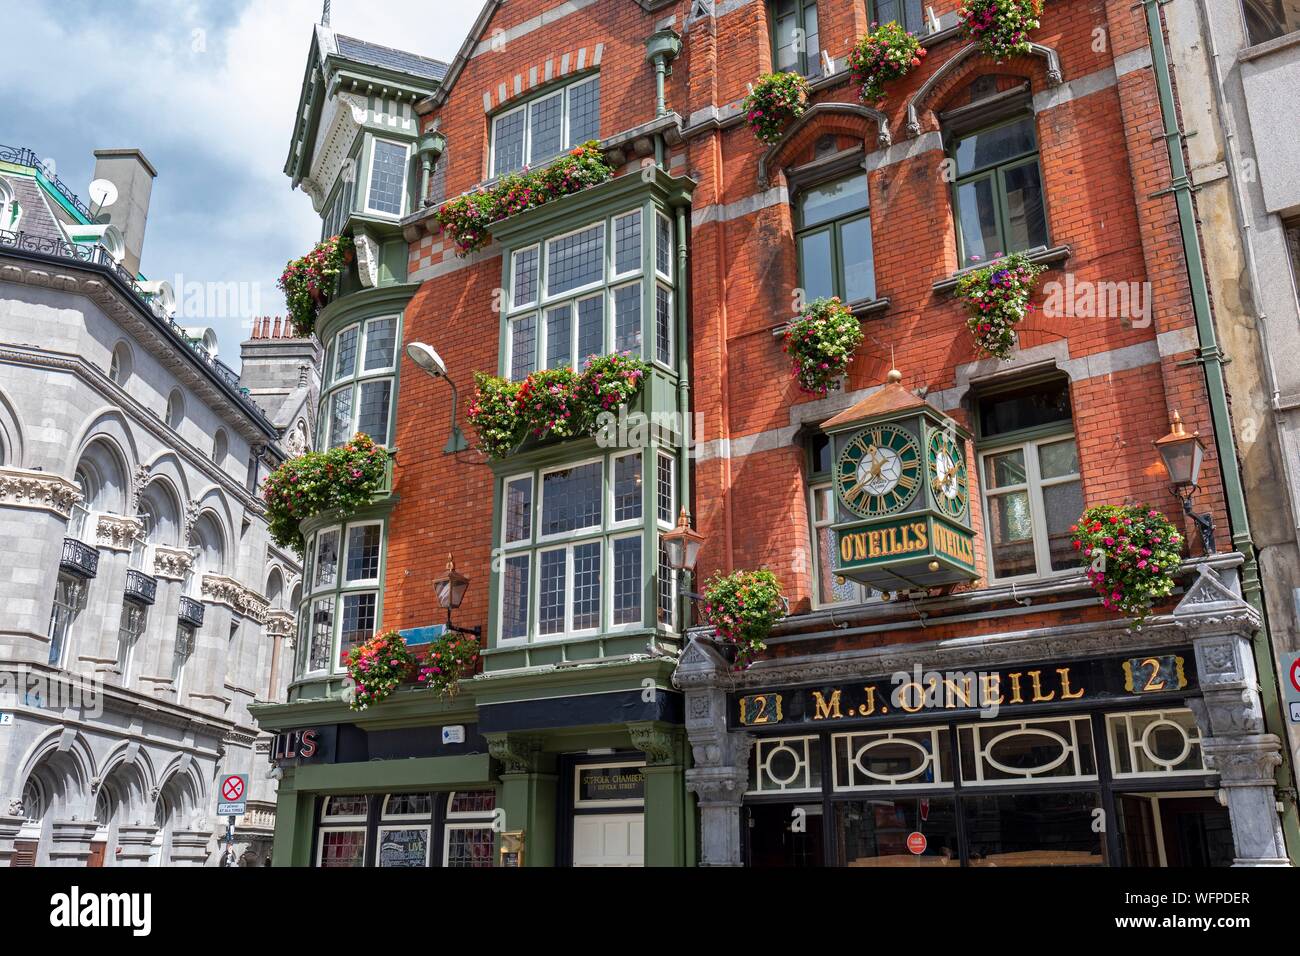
(220, 446)
(175, 408)
(121, 364)
(102, 475)
(1270, 19)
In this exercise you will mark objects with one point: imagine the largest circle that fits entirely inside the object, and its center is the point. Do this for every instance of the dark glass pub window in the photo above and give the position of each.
(1029, 406)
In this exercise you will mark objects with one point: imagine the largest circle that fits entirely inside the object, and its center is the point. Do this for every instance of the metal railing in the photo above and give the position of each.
(21, 156)
(96, 255)
(191, 611)
(79, 558)
(140, 587)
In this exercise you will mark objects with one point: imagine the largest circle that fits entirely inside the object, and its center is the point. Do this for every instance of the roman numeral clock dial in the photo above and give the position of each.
(879, 471)
(948, 479)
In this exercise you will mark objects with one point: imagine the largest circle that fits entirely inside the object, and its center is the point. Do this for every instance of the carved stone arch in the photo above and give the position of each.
(129, 767)
(167, 464)
(11, 434)
(955, 65)
(815, 121)
(65, 765)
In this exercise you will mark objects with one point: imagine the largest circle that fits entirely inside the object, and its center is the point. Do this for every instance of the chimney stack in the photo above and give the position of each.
(133, 175)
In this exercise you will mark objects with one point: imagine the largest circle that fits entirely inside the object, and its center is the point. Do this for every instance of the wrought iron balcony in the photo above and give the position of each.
(140, 587)
(79, 558)
(191, 611)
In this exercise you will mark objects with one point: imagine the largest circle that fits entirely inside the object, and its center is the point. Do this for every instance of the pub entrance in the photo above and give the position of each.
(1174, 830)
(603, 809)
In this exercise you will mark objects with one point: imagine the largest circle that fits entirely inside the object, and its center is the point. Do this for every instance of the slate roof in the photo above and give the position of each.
(383, 56)
(37, 217)
(893, 396)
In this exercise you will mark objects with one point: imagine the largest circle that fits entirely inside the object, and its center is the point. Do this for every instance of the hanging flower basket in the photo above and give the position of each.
(821, 341)
(1131, 554)
(552, 403)
(451, 659)
(309, 283)
(467, 219)
(775, 101)
(1000, 28)
(997, 300)
(743, 607)
(344, 478)
(883, 54)
(377, 668)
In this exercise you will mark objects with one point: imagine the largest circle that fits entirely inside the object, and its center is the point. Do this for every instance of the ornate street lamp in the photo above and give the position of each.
(450, 589)
(430, 361)
(1182, 455)
(683, 546)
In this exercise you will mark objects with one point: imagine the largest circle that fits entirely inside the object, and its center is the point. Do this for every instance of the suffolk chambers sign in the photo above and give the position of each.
(915, 692)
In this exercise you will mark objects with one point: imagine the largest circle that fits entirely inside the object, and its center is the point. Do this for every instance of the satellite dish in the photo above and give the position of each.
(102, 193)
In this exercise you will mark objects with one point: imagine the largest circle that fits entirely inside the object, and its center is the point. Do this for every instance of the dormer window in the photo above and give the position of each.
(387, 187)
(544, 127)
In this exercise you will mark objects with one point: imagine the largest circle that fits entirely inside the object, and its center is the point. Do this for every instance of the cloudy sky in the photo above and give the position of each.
(207, 89)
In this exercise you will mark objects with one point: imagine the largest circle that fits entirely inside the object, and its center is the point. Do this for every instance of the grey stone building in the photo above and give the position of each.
(143, 607)
(1237, 67)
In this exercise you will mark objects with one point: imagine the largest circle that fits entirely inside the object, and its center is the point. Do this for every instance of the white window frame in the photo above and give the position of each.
(360, 375)
(577, 291)
(585, 531)
(864, 593)
(402, 817)
(514, 307)
(331, 818)
(672, 315)
(336, 644)
(612, 540)
(1033, 485)
(984, 736)
(614, 274)
(383, 828)
(312, 585)
(126, 649)
(362, 584)
(671, 521)
(539, 319)
(614, 524)
(370, 176)
(449, 824)
(611, 315)
(568, 630)
(630, 802)
(506, 482)
(565, 93)
(320, 841)
(178, 681)
(72, 611)
(1121, 723)
(333, 597)
(527, 636)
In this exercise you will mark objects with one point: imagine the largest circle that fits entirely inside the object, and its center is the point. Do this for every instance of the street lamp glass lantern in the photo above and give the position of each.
(683, 544)
(451, 587)
(1182, 455)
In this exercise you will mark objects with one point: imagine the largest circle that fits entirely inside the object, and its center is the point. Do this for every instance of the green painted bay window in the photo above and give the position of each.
(342, 580)
(606, 286)
(998, 193)
(796, 38)
(833, 222)
(358, 386)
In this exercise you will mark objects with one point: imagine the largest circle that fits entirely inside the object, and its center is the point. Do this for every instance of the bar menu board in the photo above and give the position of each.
(404, 847)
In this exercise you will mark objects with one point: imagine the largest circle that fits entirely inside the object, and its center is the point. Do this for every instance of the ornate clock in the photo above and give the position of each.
(879, 471)
(948, 479)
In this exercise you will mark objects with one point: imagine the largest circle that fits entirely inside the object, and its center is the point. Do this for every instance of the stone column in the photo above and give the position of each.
(1231, 720)
(528, 794)
(135, 843)
(70, 842)
(721, 759)
(665, 809)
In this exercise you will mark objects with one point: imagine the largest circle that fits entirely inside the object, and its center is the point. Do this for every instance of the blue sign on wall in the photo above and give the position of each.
(415, 636)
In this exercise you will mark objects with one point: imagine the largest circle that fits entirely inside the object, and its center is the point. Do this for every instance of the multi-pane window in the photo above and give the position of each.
(828, 588)
(834, 240)
(544, 127)
(359, 366)
(68, 592)
(573, 539)
(998, 193)
(339, 206)
(1029, 480)
(468, 837)
(387, 178)
(909, 14)
(342, 835)
(587, 292)
(342, 570)
(796, 44)
(1269, 19)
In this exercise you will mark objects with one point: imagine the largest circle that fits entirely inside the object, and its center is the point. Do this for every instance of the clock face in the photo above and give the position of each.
(948, 478)
(879, 471)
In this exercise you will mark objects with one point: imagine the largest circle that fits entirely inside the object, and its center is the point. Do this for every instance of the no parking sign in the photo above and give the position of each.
(1290, 661)
(232, 795)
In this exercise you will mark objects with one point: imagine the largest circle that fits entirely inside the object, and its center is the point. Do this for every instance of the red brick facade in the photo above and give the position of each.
(1104, 168)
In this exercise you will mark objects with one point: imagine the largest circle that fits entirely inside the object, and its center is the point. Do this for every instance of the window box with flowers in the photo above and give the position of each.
(1000, 28)
(996, 298)
(1130, 554)
(775, 101)
(743, 607)
(310, 282)
(882, 55)
(342, 479)
(449, 660)
(821, 342)
(377, 668)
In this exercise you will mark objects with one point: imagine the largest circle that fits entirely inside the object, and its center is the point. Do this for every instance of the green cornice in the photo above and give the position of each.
(380, 508)
(342, 71)
(598, 677)
(408, 706)
(363, 303)
(573, 210)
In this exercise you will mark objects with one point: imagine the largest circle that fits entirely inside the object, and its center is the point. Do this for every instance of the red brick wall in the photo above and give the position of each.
(1101, 161)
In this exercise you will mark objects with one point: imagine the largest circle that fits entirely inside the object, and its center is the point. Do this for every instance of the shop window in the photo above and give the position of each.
(1155, 742)
(387, 178)
(833, 239)
(881, 760)
(1269, 19)
(537, 131)
(785, 765)
(1053, 750)
(359, 371)
(468, 836)
(405, 828)
(1029, 479)
(906, 13)
(796, 39)
(69, 594)
(1033, 829)
(587, 292)
(342, 835)
(875, 832)
(829, 589)
(998, 193)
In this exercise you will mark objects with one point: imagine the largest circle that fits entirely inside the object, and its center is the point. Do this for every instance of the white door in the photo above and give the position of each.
(609, 839)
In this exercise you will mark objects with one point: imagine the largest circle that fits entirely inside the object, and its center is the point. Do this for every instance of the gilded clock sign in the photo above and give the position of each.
(902, 493)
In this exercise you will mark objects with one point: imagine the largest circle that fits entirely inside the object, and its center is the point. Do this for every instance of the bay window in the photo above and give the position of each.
(546, 126)
(1029, 480)
(603, 287)
(998, 192)
(342, 575)
(833, 238)
(359, 369)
